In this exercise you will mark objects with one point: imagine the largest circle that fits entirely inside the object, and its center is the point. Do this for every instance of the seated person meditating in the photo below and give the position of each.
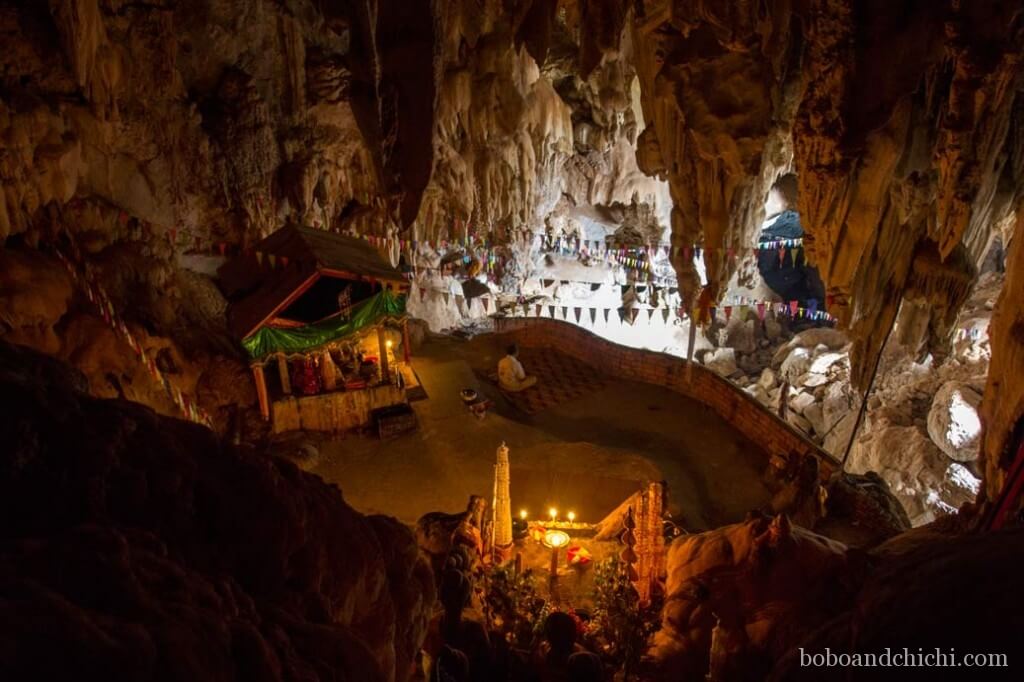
(511, 376)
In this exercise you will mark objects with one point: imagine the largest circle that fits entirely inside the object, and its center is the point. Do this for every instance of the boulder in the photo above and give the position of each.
(795, 365)
(823, 361)
(812, 380)
(721, 361)
(837, 433)
(741, 336)
(767, 381)
(830, 339)
(758, 392)
(813, 414)
(776, 580)
(801, 401)
(910, 463)
(953, 422)
(798, 420)
(833, 339)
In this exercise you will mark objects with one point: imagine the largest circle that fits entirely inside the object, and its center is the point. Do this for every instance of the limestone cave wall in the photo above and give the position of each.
(158, 134)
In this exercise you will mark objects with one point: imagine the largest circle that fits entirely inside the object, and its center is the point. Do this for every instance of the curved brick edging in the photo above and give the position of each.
(736, 406)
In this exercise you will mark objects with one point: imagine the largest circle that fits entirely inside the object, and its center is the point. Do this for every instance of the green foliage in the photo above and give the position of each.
(513, 606)
(621, 626)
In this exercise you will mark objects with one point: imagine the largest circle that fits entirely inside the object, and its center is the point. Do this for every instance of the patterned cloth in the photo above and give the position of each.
(560, 378)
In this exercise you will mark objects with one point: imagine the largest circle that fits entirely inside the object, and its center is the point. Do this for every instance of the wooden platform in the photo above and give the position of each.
(333, 412)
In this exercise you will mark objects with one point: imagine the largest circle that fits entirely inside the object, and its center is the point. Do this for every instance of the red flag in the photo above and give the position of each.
(792, 308)
(728, 312)
(760, 310)
(782, 255)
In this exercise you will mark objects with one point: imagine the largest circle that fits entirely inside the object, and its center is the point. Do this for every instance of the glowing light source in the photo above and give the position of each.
(556, 538)
(522, 514)
(572, 516)
(553, 513)
(389, 343)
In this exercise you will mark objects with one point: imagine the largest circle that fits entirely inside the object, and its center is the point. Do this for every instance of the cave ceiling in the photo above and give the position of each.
(222, 120)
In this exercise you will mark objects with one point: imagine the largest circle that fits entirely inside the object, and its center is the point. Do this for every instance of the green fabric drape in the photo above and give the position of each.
(270, 340)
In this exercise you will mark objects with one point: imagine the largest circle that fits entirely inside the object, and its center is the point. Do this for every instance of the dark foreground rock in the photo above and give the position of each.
(138, 547)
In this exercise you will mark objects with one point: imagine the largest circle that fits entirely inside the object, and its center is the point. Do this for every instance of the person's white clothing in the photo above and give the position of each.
(511, 375)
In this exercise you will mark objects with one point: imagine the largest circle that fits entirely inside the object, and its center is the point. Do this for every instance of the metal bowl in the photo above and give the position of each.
(468, 395)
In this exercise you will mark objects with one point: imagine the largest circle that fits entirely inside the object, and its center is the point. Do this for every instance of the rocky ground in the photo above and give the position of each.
(921, 428)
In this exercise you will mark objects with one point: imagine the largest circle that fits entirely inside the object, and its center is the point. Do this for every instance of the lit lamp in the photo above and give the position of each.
(572, 516)
(553, 513)
(555, 539)
(520, 526)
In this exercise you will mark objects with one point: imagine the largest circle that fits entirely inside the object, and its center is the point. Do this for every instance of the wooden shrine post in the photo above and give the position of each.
(405, 340)
(327, 371)
(383, 346)
(282, 369)
(261, 390)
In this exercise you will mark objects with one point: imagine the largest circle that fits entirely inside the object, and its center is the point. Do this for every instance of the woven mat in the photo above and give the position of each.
(560, 378)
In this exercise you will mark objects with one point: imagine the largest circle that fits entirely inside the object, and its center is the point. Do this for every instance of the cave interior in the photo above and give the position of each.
(511, 340)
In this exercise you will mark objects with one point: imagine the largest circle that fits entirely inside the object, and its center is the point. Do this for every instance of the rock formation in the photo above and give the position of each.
(738, 597)
(158, 136)
(744, 599)
(140, 547)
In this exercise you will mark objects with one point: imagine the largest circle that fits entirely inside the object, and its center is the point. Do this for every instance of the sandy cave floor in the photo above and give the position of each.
(586, 454)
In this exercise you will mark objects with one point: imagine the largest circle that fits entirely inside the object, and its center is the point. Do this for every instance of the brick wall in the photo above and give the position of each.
(693, 380)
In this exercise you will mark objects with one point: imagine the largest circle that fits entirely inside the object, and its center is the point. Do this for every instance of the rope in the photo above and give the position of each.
(864, 400)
